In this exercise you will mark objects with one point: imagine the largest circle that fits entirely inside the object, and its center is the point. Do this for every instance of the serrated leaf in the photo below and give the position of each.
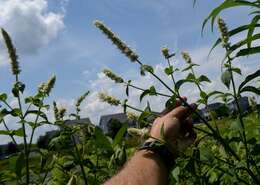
(226, 78)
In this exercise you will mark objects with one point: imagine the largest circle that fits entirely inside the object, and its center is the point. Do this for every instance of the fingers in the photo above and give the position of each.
(182, 112)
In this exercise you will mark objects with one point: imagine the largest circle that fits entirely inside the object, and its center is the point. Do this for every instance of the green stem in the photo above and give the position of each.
(34, 126)
(12, 137)
(139, 110)
(173, 80)
(24, 136)
(79, 159)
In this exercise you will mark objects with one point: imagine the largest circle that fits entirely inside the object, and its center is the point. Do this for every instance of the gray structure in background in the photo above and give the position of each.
(78, 122)
(232, 107)
(106, 121)
(243, 103)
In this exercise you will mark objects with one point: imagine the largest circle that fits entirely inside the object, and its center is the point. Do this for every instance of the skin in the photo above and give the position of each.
(146, 167)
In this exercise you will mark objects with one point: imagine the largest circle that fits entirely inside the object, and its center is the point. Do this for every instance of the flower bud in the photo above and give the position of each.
(186, 57)
(165, 52)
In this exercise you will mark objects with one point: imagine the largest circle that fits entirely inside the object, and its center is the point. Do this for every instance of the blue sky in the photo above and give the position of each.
(58, 37)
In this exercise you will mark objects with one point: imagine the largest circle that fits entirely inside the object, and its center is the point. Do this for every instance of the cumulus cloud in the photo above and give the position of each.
(30, 23)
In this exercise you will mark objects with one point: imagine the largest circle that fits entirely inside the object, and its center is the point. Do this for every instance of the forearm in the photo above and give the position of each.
(145, 167)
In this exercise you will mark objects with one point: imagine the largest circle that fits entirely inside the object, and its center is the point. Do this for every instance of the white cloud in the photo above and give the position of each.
(29, 23)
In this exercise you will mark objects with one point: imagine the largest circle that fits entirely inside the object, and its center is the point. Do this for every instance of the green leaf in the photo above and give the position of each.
(231, 33)
(120, 135)
(190, 77)
(168, 70)
(4, 112)
(151, 91)
(182, 82)
(16, 112)
(125, 105)
(203, 78)
(243, 42)
(248, 79)
(18, 132)
(20, 163)
(145, 93)
(250, 89)
(248, 51)
(127, 88)
(226, 78)
(101, 141)
(252, 29)
(203, 95)
(3, 97)
(18, 87)
(236, 70)
(225, 5)
(236, 125)
(4, 132)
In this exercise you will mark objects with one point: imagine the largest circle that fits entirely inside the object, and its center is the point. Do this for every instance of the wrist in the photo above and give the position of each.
(160, 150)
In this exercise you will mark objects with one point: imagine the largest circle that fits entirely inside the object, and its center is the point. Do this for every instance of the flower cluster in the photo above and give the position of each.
(186, 57)
(12, 53)
(81, 99)
(59, 113)
(132, 116)
(108, 99)
(224, 32)
(113, 76)
(141, 133)
(165, 52)
(117, 41)
(45, 88)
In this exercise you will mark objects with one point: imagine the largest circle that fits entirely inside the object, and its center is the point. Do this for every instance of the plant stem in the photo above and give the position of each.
(34, 126)
(24, 136)
(12, 137)
(139, 110)
(173, 80)
(79, 159)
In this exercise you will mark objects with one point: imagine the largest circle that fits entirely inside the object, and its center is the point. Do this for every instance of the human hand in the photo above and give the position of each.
(177, 128)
